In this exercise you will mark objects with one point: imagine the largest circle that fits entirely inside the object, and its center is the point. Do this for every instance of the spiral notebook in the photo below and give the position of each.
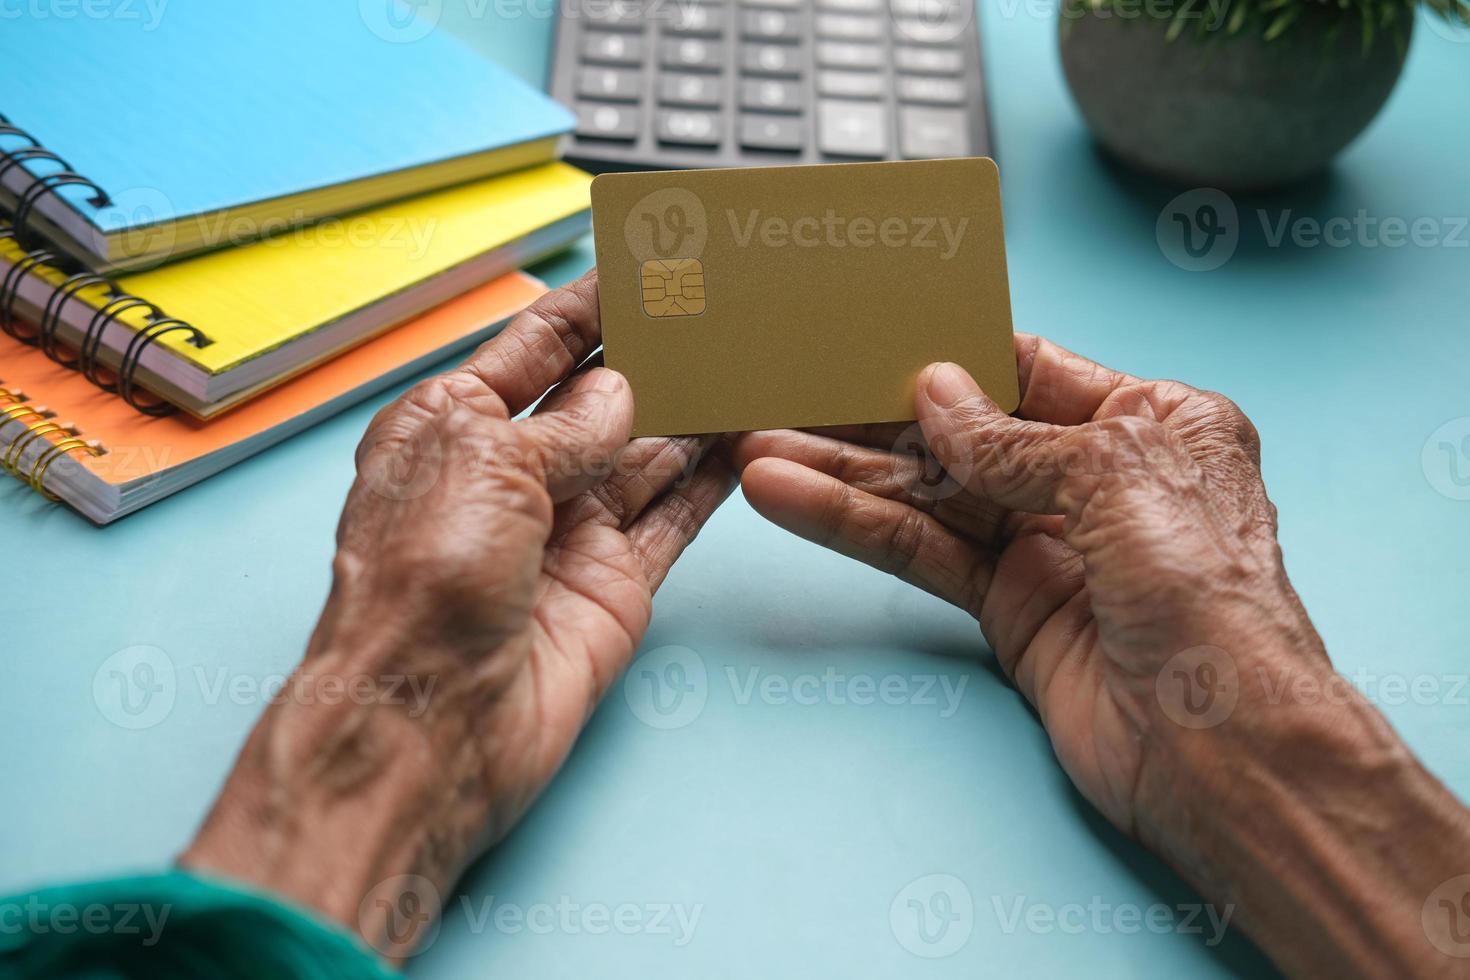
(150, 131)
(210, 332)
(67, 440)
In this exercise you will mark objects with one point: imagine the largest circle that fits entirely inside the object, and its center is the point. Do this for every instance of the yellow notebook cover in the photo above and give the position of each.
(256, 297)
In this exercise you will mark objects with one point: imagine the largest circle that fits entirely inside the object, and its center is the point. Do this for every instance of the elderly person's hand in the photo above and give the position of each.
(492, 578)
(1116, 545)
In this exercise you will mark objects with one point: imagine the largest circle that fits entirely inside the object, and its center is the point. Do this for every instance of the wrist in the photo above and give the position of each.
(339, 798)
(1304, 811)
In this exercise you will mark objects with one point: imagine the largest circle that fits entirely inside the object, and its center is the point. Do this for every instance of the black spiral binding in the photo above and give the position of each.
(39, 425)
(87, 360)
(42, 185)
(51, 317)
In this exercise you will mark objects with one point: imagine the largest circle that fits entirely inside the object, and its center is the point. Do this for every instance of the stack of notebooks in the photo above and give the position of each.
(221, 227)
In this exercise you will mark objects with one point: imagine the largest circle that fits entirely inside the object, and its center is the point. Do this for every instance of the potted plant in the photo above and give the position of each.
(1235, 94)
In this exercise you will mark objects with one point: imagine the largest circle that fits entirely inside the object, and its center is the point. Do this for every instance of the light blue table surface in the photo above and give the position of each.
(795, 831)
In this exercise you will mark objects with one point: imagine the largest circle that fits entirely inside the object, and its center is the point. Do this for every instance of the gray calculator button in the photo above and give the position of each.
(852, 6)
(781, 4)
(615, 15)
(841, 54)
(945, 11)
(928, 61)
(605, 121)
(938, 91)
(702, 91)
(850, 84)
(770, 95)
(617, 84)
(770, 59)
(691, 52)
(927, 133)
(761, 132)
(612, 49)
(847, 27)
(689, 126)
(770, 25)
(852, 129)
(928, 31)
(694, 19)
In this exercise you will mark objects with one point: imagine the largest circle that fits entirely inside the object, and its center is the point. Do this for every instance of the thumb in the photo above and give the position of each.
(1015, 463)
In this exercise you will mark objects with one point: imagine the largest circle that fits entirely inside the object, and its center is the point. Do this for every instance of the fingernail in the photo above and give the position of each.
(604, 380)
(948, 385)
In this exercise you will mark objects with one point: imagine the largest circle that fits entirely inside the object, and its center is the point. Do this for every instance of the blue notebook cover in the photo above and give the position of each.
(179, 108)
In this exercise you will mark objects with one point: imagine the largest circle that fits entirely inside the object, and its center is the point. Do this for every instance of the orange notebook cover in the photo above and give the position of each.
(70, 440)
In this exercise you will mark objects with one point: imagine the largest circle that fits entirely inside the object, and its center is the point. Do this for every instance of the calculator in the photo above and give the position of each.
(676, 84)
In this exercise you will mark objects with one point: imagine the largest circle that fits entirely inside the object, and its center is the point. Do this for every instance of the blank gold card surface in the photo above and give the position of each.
(787, 297)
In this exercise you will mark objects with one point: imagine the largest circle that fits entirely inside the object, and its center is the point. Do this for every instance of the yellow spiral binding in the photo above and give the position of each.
(10, 458)
(39, 424)
(43, 462)
(20, 411)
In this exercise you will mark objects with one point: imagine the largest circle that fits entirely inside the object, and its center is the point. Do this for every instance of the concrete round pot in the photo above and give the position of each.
(1235, 112)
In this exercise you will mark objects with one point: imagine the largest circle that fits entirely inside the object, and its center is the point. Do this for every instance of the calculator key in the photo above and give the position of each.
(605, 121)
(688, 126)
(699, 91)
(850, 84)
(840, 54)
(617, 84)
(612, 49)
(694, 20)
(927, 31)
(927, 133)
(691, 52)
(770, 95)
(614, 15)
(847, 27)
(770, 59)
(770, 25)
(946, 11)
(759, 132)
(781, 4)
(928, 61)
(852, 129)
(852, 6)
(938, 91)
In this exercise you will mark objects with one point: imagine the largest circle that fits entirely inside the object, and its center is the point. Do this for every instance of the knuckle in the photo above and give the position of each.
(501, 450)
(902, 542)
(431, 397)
(516, 492)
(863, 470)
(561, 311)
(1225, 414)
(681, 515)
(1128, 447)
(1132, 430)
(612, 498)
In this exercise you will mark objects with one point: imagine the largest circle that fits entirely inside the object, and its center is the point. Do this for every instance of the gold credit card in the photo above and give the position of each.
(791, 297)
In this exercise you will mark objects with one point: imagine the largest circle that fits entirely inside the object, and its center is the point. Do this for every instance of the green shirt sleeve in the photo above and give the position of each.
(173, 925)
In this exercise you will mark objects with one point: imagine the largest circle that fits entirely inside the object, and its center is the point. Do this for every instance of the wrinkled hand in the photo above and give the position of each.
(1115, 526)
(1117, 547)
(524, 575)
(505, 567)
